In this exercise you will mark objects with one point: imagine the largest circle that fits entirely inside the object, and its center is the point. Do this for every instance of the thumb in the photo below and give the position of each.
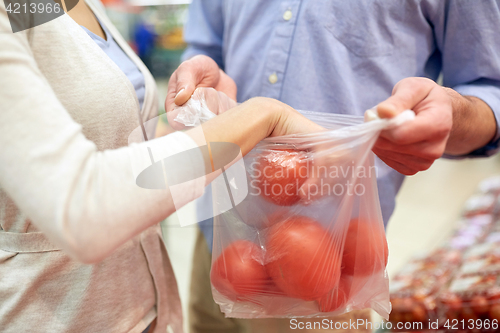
(181, 85)
(199, 71)
(176, 94)
(406, 94)
(184, 86)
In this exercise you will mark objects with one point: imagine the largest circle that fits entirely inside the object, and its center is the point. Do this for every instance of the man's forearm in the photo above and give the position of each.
(474, 124)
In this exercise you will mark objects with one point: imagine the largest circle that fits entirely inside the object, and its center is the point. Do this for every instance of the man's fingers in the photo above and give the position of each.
(183, 94)
(399, 167)
(425, 127)
(406, 159)
(226, 85)
(425, 149)
(415, 145)
(406, 94)
(188, 76)
(180, 89)
(432, 122)
(199, 71)
(403, 163)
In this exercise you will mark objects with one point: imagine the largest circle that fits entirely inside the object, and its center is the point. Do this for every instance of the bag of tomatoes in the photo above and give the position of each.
(308, 239)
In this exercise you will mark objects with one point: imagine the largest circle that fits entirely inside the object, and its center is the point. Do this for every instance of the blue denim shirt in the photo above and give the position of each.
(346, 56)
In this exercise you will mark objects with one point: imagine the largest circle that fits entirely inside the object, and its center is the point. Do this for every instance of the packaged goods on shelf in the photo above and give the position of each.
(481, 259)
(490, 185)
(480, 204)
(472, 297)
(470, 231)
(460, 281)
(415, 288)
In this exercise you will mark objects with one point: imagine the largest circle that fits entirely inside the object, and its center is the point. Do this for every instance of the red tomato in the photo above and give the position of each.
(453, 306)
(348, 287)
(365, 249)
(495, 312)
(395, 316)
(493, 295)
(279, 215)
(468, 314)
(239, 271)
(338, 297)
(397, 305)
(302, 258)
(452, 302)
(281, 173)
(480, 305)
(418, 313)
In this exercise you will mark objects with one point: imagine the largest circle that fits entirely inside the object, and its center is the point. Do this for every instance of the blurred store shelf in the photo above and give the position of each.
(430, 203)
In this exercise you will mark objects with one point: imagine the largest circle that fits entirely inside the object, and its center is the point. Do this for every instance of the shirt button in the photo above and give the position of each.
(273, 78)
(287, 15)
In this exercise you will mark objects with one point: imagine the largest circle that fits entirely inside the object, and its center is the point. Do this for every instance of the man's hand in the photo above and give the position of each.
(445, 122)
(204, 104)
(415, 145)
(199, 71)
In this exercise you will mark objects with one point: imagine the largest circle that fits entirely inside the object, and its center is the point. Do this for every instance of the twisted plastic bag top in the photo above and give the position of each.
(204, 104)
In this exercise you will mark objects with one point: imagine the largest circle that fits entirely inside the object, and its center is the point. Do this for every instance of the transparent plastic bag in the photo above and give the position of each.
(308, 240)
(204, 104)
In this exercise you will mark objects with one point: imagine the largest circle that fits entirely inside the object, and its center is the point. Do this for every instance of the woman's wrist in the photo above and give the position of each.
(244, 125)
(272, 111)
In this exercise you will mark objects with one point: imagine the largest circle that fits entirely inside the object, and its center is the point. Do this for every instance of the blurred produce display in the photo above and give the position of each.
(154, 32)
(457, 285)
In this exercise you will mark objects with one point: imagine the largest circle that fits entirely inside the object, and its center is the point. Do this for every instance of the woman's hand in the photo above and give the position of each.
(289, 121)
(252, 121)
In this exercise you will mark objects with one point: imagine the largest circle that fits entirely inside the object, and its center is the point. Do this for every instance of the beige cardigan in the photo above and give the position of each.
(80, 246)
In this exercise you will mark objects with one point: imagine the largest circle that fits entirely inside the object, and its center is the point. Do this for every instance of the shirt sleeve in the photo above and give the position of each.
(204, 30)
(84, 200)
(467, 36)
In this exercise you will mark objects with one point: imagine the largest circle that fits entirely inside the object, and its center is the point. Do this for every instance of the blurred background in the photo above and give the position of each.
(153, 28)
(430, 206)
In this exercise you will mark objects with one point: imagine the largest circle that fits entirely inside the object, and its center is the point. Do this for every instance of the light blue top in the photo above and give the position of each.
(120, 58)
(346, 56)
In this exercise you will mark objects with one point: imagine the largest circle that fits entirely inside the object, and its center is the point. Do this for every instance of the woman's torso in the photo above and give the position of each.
(41, 288)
